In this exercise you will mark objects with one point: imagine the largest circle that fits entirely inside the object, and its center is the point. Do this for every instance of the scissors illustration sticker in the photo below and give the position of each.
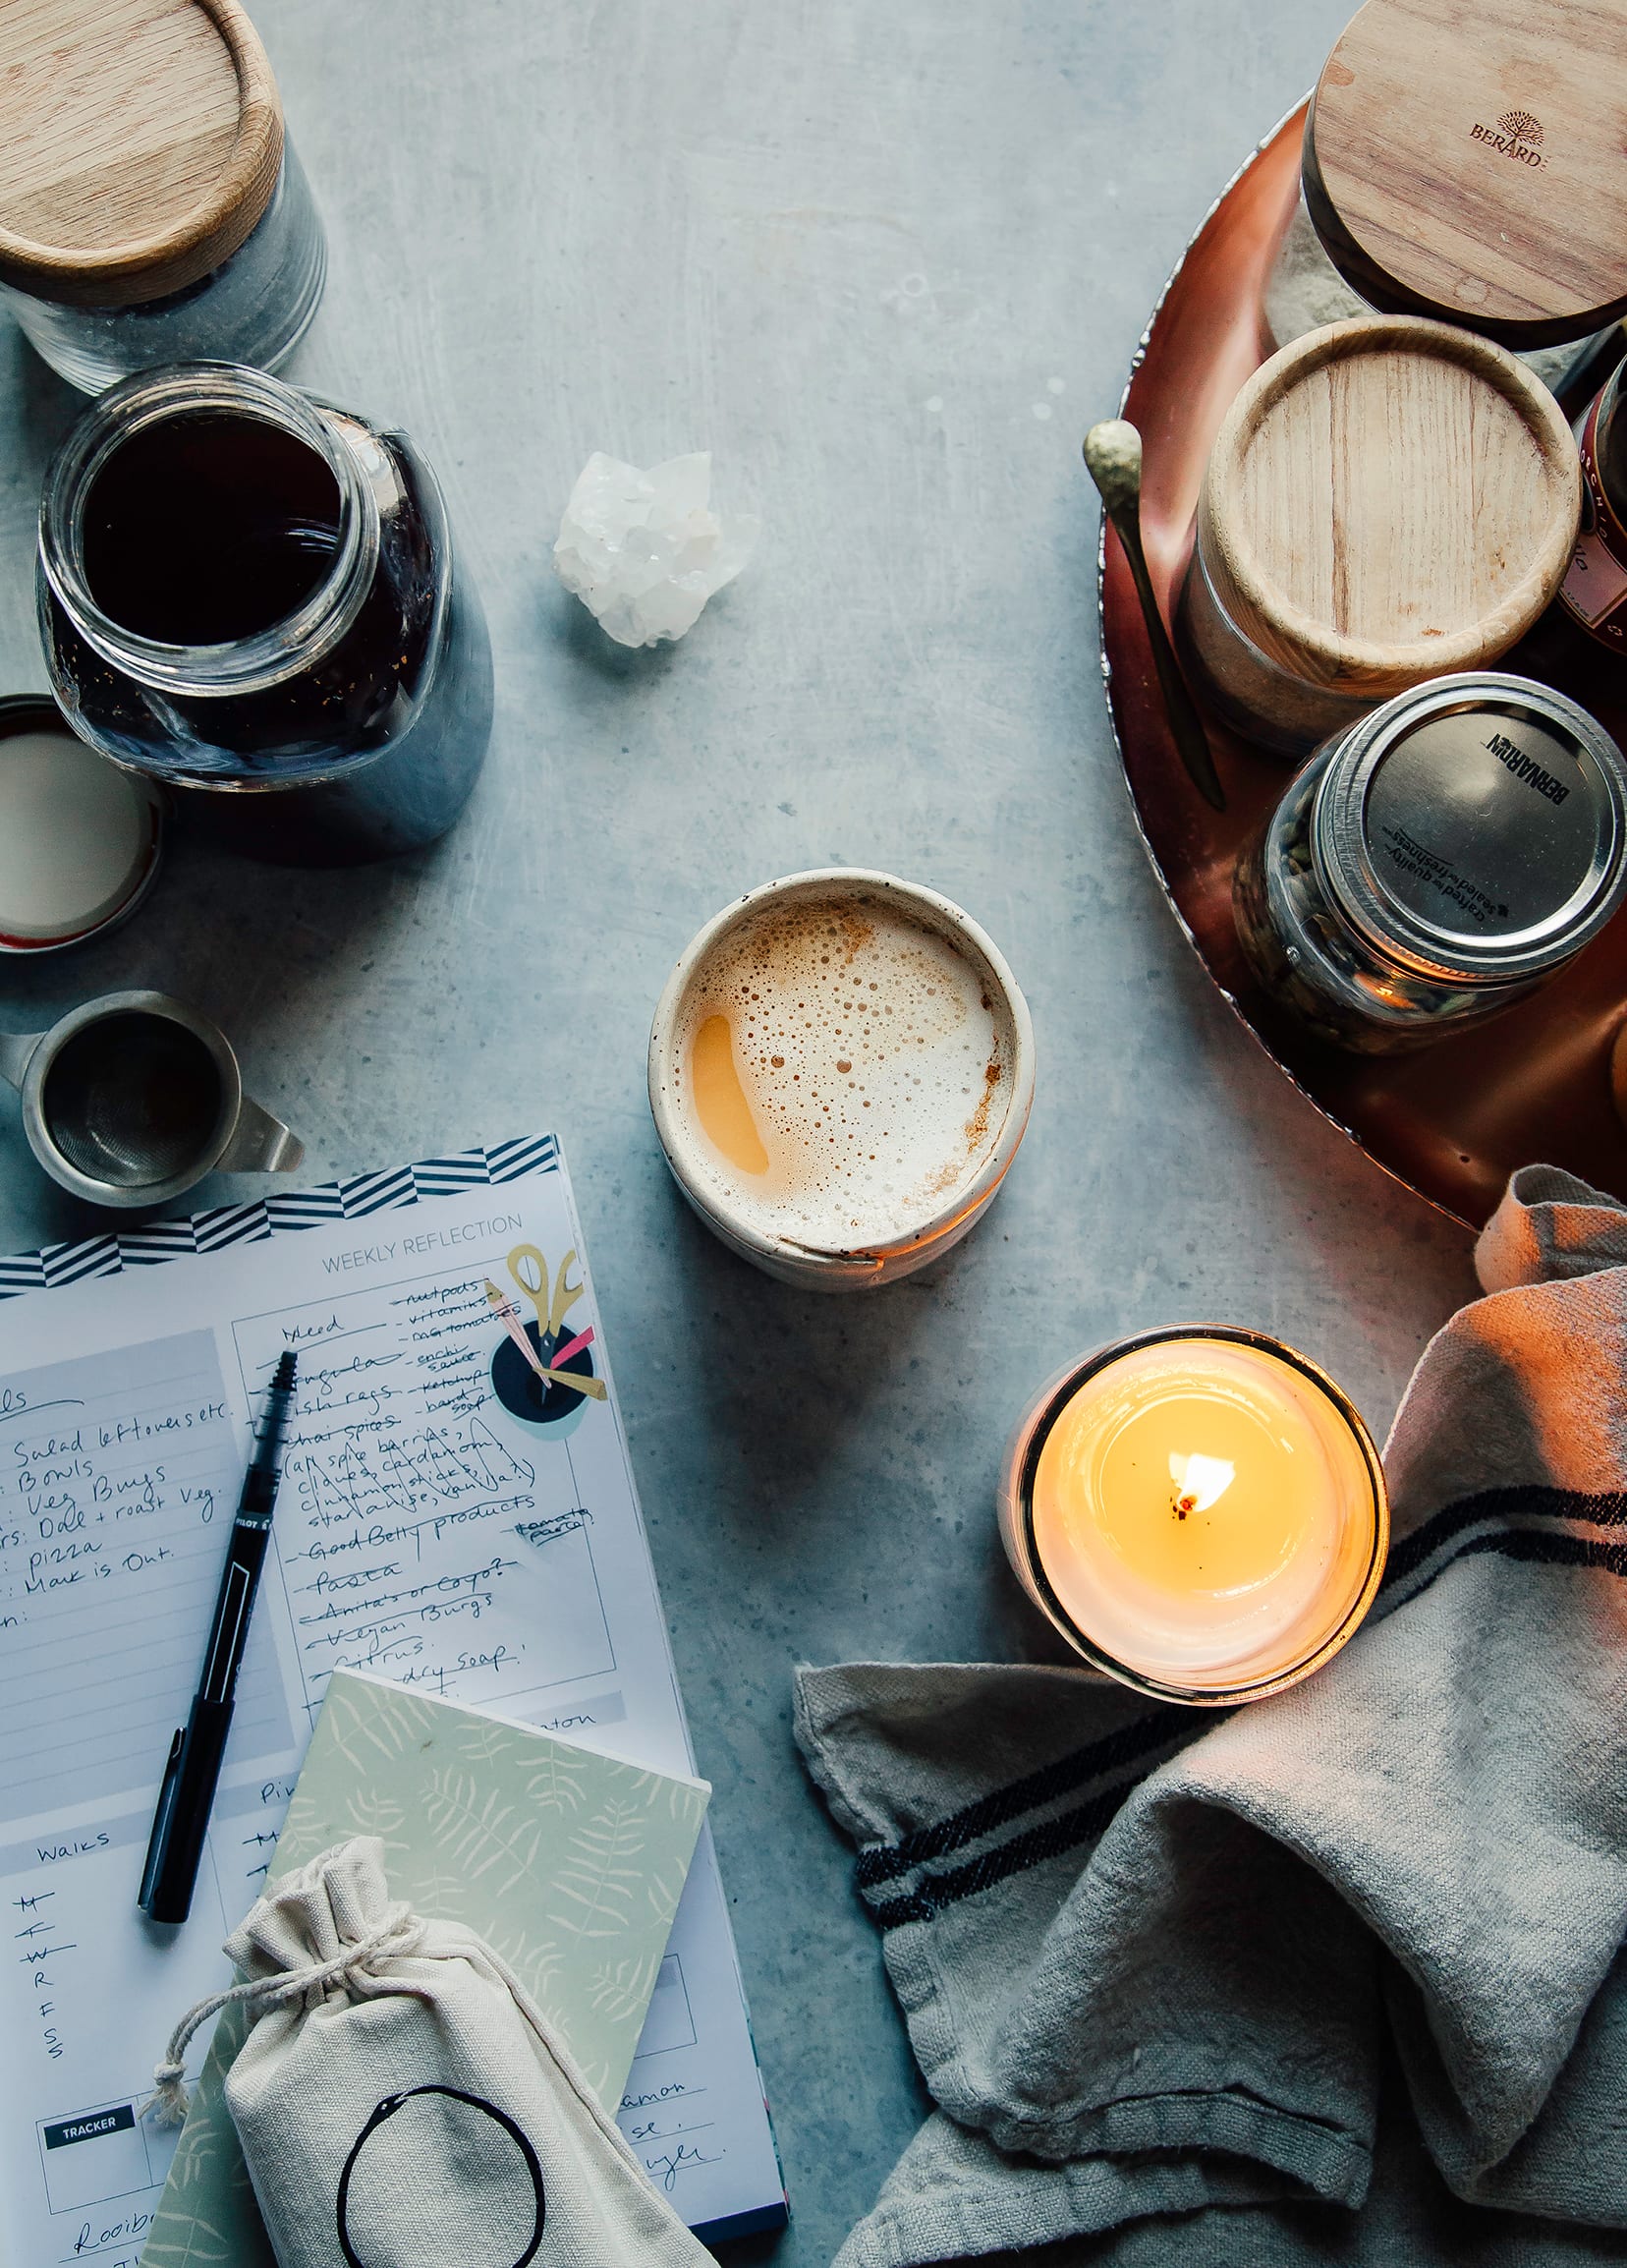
(541, 1375)
(530, 1272)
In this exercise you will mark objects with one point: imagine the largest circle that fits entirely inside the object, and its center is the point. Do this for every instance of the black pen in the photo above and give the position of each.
(187, 1796)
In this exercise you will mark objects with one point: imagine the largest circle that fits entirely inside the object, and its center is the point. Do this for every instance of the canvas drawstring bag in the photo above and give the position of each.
(401, 2102)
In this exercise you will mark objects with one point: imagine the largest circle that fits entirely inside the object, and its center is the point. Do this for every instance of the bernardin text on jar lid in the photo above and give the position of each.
(1475, 829)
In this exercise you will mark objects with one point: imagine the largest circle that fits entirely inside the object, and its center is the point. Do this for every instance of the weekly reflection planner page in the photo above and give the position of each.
(447, 1518)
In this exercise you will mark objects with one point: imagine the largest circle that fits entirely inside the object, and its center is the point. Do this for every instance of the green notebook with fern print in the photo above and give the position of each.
(568, 1863)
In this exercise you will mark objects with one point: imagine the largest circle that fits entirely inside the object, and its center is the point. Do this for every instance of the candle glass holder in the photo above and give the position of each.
(1198, 1511)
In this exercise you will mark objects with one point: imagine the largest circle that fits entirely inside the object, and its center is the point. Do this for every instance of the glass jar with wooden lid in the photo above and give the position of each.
(1465, 164)
(1386, 500)
(152, 209)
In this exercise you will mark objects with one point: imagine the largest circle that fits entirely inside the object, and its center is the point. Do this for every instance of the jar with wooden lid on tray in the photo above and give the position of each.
(152, 209)
(1465, 164)
(1386, 500)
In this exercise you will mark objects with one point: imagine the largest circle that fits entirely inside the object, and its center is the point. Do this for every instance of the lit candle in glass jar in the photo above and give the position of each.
(1198, 1511)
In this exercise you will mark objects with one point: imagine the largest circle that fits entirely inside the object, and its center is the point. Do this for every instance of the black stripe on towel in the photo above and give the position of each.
(1032, 1848)
(1408, 1556)
(1554, 1551)
(882, 1861)
(1138, 1741)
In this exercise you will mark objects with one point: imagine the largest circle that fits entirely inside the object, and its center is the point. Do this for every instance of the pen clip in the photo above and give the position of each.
(161, 1821)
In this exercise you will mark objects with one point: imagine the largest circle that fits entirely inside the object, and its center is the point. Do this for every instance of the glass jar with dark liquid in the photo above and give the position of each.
(248, 592)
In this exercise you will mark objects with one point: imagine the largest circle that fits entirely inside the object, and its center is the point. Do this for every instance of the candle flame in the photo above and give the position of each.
(1200, 1481)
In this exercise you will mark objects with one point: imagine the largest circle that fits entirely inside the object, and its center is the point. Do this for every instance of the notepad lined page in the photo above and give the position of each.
(452, 1516)
(118, 1480)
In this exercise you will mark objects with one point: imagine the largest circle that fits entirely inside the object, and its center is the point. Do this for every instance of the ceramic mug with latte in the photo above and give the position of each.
(841, 1068)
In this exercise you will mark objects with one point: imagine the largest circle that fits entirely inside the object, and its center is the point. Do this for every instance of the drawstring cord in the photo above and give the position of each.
(397, 1935)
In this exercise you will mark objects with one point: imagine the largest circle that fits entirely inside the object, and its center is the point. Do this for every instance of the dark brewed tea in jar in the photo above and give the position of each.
(252, 594)
(1435, 863)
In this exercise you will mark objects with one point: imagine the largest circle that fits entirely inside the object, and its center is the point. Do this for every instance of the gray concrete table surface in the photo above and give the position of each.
(888, 263)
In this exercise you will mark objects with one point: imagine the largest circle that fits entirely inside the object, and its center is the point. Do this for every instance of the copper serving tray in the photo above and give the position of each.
(1453, 1121)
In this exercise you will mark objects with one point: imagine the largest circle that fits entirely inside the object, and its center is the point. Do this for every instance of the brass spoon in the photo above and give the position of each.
(1113, 460)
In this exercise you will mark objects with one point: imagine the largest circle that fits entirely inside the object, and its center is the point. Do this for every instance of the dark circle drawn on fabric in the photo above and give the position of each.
(524, 2176)
(522, 1394)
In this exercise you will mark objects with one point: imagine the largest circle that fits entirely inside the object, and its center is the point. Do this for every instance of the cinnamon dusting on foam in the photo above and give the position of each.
(848, 1068)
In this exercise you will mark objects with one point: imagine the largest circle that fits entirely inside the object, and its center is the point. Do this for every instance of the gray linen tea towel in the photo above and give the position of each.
(1335, 1977)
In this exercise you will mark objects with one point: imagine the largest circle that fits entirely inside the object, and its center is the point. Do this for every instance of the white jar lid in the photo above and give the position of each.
(80, 838)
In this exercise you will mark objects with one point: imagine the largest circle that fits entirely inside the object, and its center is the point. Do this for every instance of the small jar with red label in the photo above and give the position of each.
(1594, 592)
(1581, 642)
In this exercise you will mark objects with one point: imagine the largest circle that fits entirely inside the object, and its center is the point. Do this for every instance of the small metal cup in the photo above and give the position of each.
(134, 1097)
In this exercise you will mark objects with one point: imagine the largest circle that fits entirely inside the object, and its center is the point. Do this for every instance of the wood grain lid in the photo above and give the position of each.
(1464, 158)
(140, 144)
(1388, 499)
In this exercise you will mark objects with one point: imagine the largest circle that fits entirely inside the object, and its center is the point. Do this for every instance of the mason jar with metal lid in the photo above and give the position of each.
(1436, 862)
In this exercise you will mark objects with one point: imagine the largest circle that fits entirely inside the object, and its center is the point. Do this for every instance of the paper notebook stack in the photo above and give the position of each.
(570, 1864)
(447, 1521)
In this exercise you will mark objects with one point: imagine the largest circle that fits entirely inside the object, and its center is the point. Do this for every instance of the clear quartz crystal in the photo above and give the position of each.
(644, 552)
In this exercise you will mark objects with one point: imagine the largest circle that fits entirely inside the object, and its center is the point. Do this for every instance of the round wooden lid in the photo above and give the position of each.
(139, 143)
(1388, 499)
(1467, 163)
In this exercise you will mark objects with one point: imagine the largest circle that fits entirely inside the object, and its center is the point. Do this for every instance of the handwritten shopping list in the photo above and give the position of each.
(119, 1476)
(118, 1480)
(419, 1533)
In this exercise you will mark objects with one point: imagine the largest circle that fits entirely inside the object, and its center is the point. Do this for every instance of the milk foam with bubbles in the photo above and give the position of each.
(847, 1069)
